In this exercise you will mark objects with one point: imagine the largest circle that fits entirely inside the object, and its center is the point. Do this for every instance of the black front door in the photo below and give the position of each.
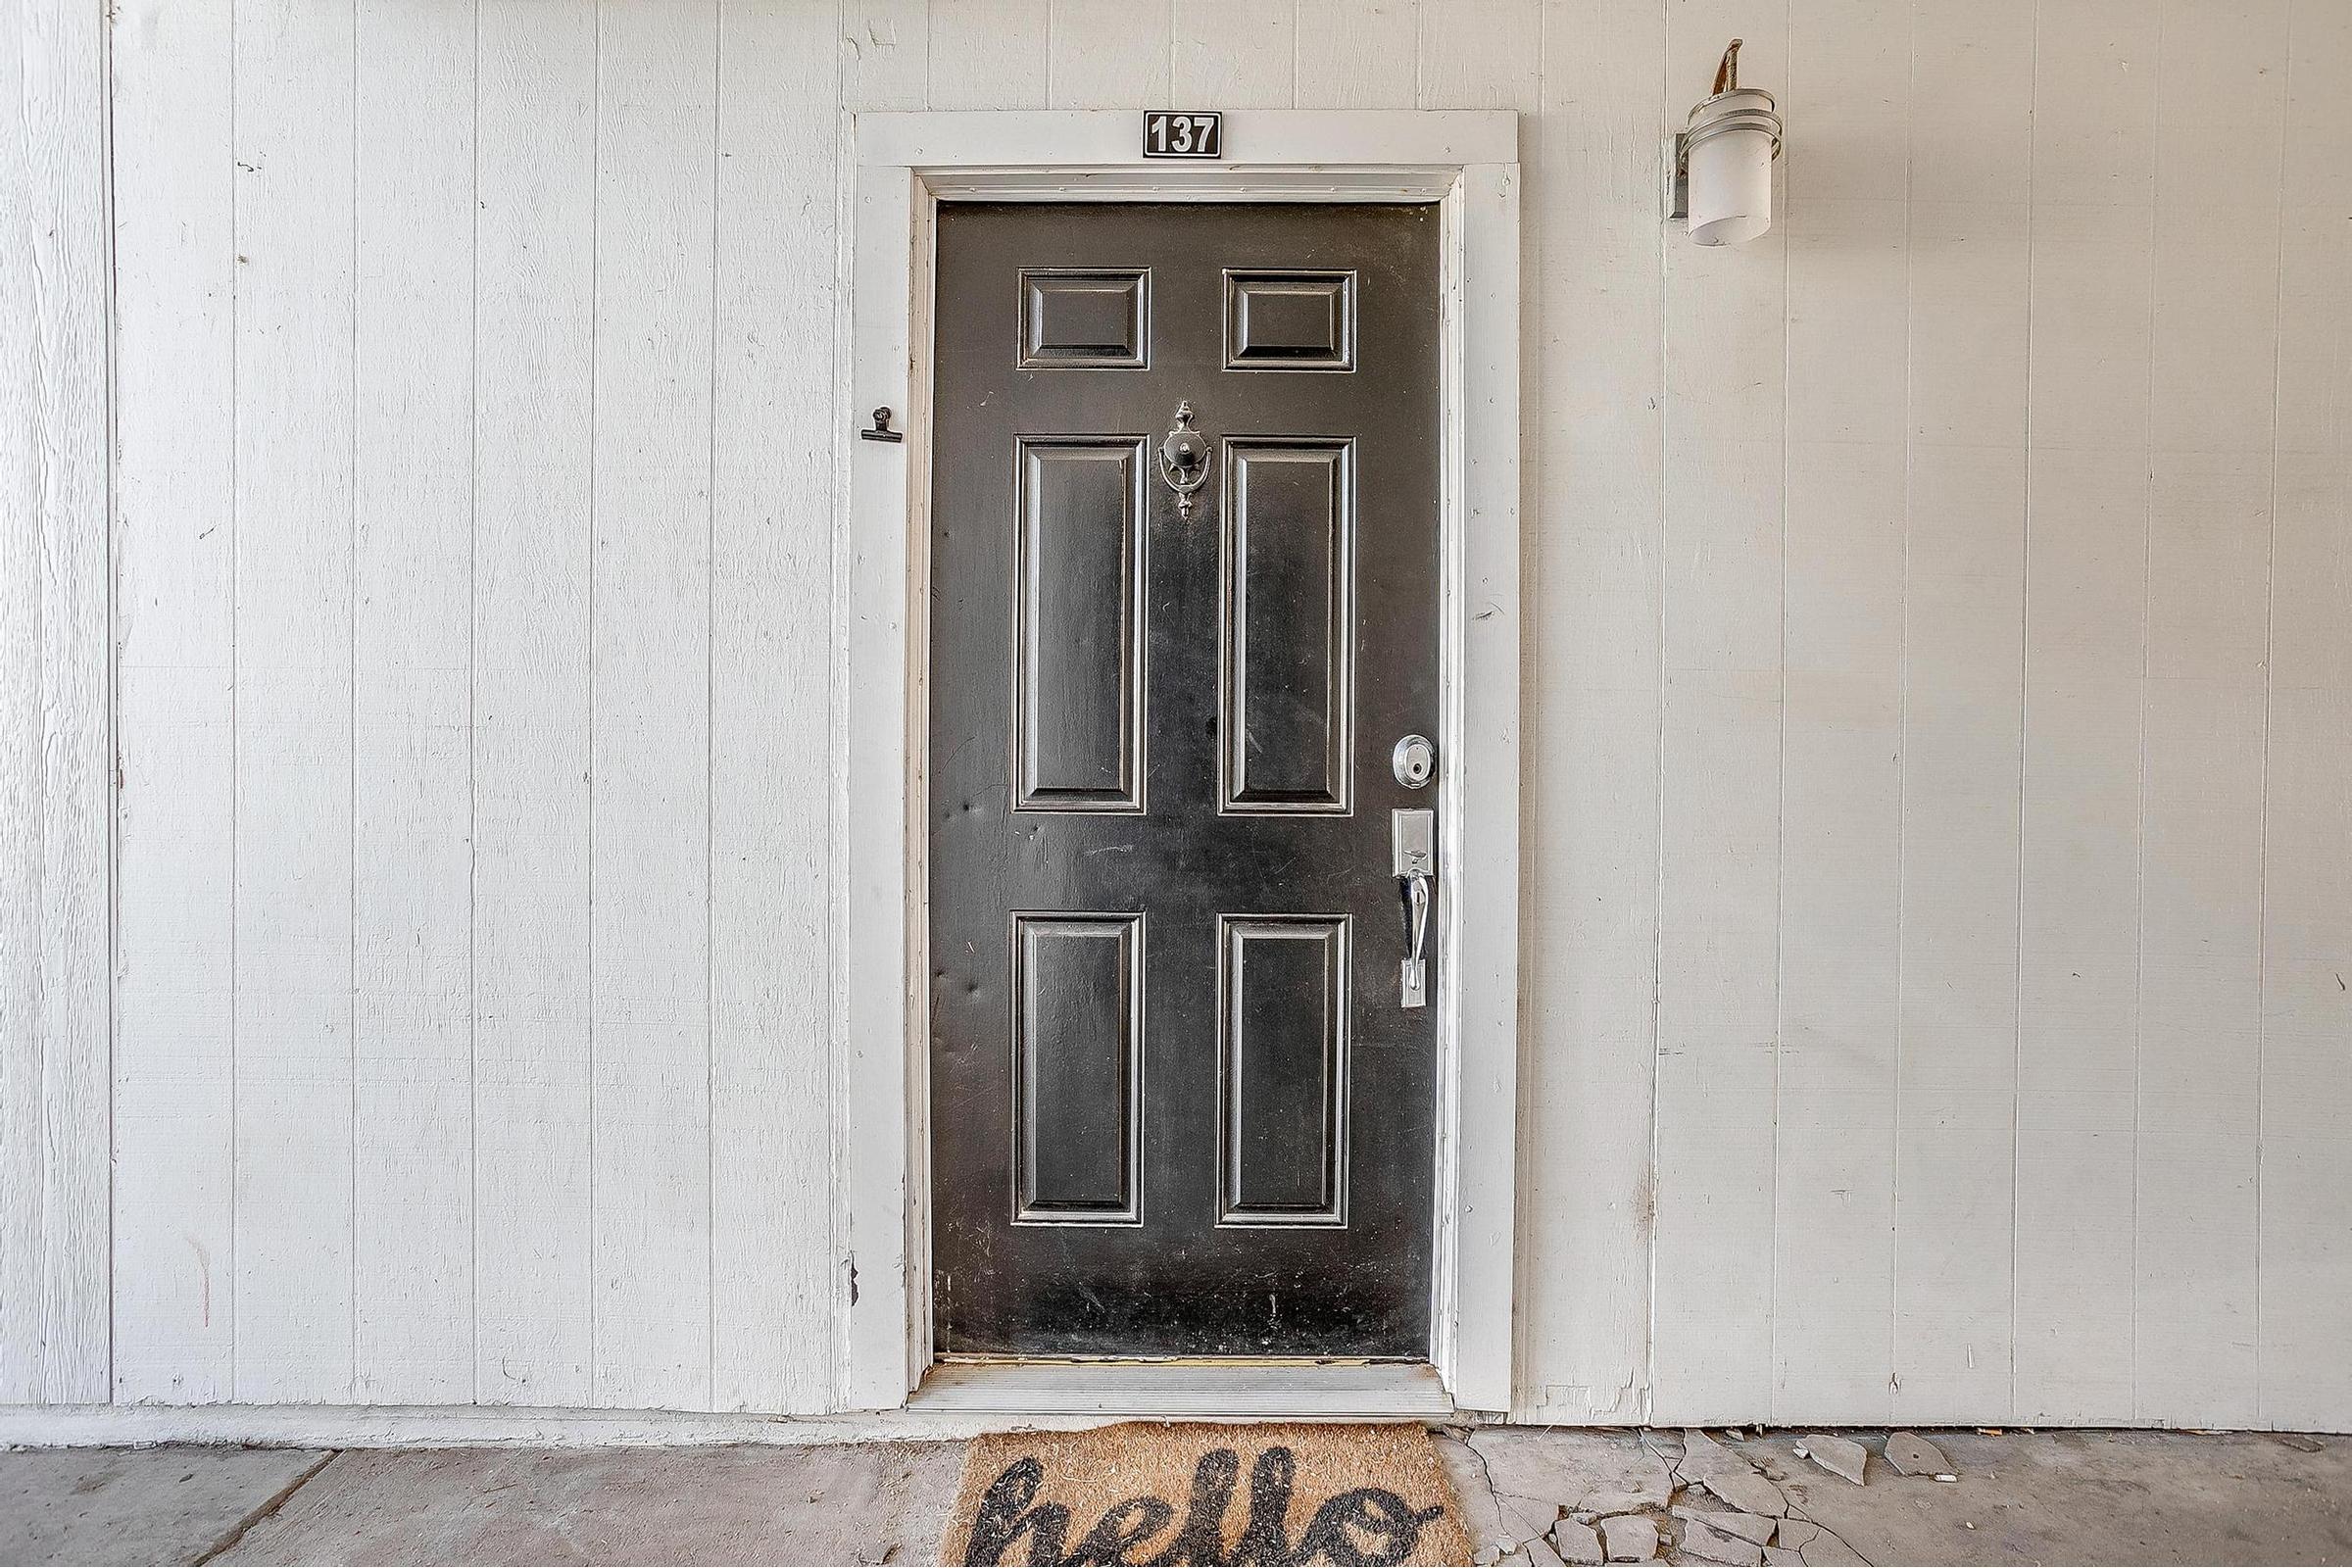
(1179, 1104)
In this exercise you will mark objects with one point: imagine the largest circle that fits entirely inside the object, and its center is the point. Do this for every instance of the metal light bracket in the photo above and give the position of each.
(1678, 177)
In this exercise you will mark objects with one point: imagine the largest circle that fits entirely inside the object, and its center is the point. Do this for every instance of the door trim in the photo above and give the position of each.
(1276, 1389)
(899, 167)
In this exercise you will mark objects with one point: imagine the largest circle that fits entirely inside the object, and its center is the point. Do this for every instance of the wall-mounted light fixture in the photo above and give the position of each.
(1719, 172)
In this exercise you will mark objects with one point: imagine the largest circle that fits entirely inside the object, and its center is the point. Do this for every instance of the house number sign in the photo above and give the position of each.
(1170, 135)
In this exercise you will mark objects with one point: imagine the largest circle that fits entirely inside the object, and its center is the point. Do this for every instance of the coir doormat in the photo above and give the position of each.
(1168, 1493)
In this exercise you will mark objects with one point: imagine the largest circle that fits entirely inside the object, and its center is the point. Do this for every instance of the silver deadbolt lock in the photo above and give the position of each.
(1414, 762)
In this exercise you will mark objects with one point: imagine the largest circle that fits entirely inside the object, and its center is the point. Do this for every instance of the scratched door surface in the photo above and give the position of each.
(1177, 1106)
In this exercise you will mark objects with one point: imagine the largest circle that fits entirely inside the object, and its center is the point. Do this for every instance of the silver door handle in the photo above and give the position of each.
(1414, 979)
(1412, 836)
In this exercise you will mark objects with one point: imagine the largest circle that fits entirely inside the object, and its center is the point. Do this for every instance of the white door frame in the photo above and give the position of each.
(902, 167)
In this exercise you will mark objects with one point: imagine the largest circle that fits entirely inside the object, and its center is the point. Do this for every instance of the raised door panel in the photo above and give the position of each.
(1286, 695)
(1282, 1051)
(1086, 321)
(1077, 1032)
(1289, 321)
(1078, 636)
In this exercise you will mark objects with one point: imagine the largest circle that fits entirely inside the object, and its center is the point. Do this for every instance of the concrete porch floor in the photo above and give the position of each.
(2022, 1497)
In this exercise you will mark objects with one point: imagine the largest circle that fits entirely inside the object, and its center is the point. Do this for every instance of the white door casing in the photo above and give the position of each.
(901, 167)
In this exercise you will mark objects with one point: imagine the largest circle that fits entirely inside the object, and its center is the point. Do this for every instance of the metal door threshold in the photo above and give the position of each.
(1318, 1391)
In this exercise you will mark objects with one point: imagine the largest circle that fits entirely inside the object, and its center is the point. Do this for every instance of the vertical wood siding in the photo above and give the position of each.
(2303, 1258)
(55, 604)
(771, 568)
(413, 705)
(1724, 527)
(174, 538)
(1841, 626)
(2090, 245)
(1963, 684)
(534, 410)
(2213, 458)
(293, 1276)
(1591, 570)
(648, 819)
(1939, 711)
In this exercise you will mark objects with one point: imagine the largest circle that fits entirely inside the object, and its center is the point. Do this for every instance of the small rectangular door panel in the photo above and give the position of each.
(1086, 321)
(1289, 624)
(1079, 561)
(1289, 321)
(1175, 1108)
(1078, 1016)
(1282, 1047)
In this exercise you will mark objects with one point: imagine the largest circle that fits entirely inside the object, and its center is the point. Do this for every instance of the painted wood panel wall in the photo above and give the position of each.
(55, 605)
(1939, 718)
(474, 501)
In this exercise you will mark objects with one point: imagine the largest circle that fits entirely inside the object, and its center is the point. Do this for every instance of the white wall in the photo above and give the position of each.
(474, 499)
(53, 709)
(1940, 715)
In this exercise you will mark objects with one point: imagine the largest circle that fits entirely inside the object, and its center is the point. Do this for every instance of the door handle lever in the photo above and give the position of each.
(1412, 836)
(1414, 976)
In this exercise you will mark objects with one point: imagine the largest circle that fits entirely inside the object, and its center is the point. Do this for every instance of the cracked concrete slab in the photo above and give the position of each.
(1754, 1527)
(1703, 1540)
(1815, 1546)
(1582, 1471)
(1840, 1456)
(138, 1505)
(1630, 1537)
(1747, 1492)
(1703, 1457)
(848, 1503)
(2088, 1496)
(2062, 1496)
(1577, 1543)
(1910, 1454)
(1489, 1519)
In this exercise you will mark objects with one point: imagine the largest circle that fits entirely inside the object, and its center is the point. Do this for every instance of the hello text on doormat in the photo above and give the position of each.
(1143, 1493)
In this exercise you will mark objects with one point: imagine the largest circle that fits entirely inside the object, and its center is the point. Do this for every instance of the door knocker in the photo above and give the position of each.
(1183, 459)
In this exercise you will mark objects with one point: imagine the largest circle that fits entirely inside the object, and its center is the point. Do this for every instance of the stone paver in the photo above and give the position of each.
(137, 1505)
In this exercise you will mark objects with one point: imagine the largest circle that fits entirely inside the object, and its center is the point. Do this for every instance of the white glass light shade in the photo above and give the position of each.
(1729, 150)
